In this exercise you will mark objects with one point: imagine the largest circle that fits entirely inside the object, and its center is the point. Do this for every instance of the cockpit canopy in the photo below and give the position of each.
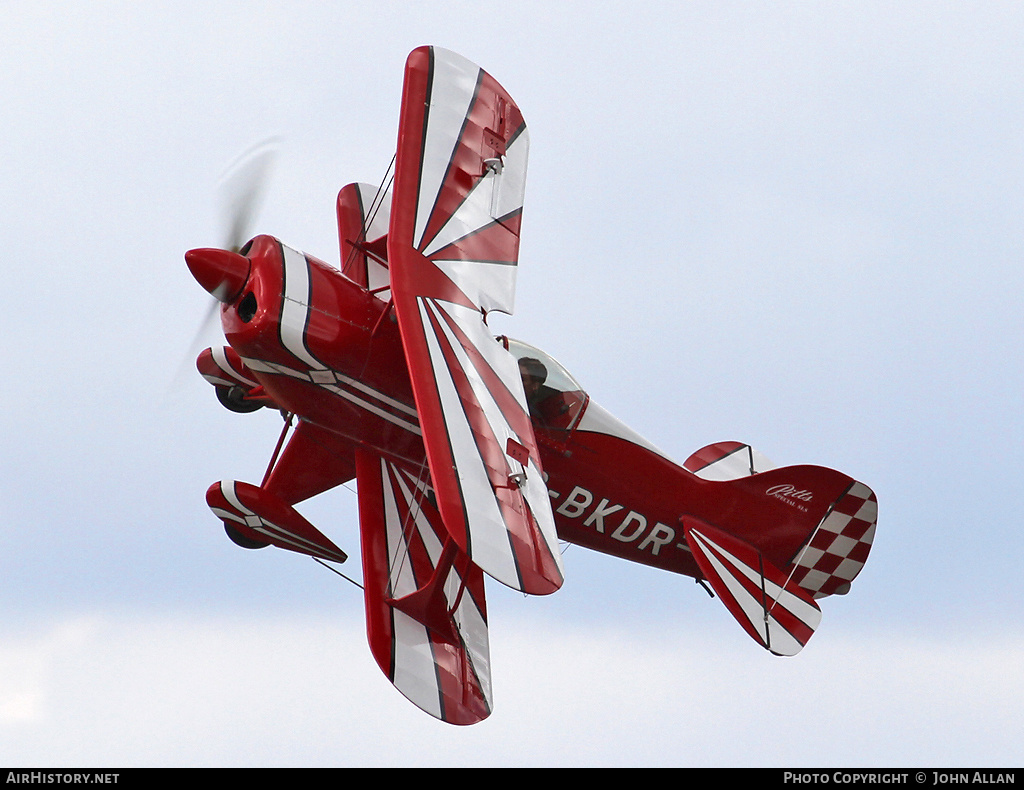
(555, 398)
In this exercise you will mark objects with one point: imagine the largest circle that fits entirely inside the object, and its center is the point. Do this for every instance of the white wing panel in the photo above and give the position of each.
(488, 540)
(492, 286)
(506, 368)
(452, 89)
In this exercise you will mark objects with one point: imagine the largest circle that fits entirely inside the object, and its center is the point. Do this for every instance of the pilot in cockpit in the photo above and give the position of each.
(554, 398)
(534, 375)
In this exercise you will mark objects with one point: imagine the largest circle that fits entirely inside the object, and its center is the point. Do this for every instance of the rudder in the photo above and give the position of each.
(838, 548)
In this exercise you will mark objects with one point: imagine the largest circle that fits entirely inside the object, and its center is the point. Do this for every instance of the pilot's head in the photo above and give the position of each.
(534, 375)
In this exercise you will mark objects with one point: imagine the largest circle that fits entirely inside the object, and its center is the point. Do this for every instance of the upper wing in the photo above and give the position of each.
(453, 244)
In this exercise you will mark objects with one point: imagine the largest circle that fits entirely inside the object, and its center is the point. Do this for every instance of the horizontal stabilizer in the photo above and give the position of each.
(770, 606)
(727, 461)
(426, 618)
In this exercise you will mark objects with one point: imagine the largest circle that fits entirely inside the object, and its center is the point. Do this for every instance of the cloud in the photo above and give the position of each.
(251, 690)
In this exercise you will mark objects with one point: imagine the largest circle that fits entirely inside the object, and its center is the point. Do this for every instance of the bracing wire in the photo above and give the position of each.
(335, 570)
(371, 213)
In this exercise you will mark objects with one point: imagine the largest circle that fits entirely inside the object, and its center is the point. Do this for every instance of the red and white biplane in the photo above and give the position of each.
(474, 455)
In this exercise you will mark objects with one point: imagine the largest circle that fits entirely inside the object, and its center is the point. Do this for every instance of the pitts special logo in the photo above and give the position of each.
(791, 495)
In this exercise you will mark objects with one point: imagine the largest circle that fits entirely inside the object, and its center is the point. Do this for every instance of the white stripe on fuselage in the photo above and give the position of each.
(295, 306)
(293, 324)
(332, 386)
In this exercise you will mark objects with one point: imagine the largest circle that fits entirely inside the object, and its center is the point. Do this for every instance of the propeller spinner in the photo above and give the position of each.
(221, 272)
(224, 272)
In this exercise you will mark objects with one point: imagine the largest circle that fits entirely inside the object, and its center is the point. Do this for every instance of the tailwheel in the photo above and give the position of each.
(234, 399)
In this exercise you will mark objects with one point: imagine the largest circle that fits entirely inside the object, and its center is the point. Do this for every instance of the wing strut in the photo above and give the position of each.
(277, 448)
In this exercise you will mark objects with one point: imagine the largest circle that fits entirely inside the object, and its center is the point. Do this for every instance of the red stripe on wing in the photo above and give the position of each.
(537, 572)
(491, 122)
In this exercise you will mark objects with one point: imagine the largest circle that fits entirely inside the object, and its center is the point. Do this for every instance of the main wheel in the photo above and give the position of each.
(233, 399)
(240, 540)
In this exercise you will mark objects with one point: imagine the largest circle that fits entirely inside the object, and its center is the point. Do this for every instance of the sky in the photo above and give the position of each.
(792, 224)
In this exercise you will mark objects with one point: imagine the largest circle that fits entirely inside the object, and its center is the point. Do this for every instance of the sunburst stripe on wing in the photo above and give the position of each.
(451, 93)
(492, 368)
(483, 265)
(463, 596)
(505, 410)
(488, 202)
(469, 612)
(480, 191)
(468, 121)
(494, 241)
(493, 433)
(413, 667)
(419, 538)
(419, 544)
(482, 510)
(423, 545)
(478, 397)
(527, 529)
(489, 285)
(423, 489)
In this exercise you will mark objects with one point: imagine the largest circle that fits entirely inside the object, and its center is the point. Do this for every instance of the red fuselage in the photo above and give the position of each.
(328, 350)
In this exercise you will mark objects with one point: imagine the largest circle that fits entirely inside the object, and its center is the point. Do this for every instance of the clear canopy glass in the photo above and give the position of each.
(555, 398)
